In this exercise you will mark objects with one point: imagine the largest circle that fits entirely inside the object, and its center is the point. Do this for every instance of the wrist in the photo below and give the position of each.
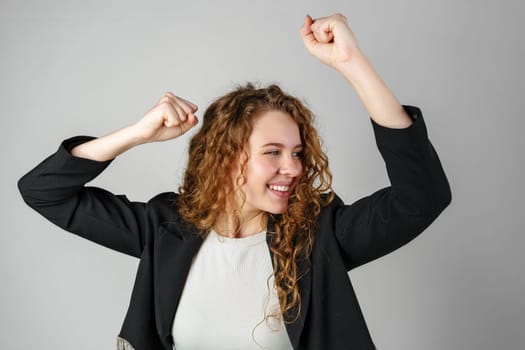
(355, 68)
(135, 135)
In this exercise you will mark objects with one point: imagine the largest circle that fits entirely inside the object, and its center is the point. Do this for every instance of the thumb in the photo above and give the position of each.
(307, 35)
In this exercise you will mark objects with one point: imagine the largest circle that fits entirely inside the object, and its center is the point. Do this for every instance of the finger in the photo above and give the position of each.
(179, 107)
(328, 21)
(305, 29)
(335, 24)
(322, 30)
(312, 44)
(187, 106)
(180, 99)
(181, 113)
(165, 97)
(307, 35)
(188, 124)
(169, 97)
(171, 114)
(192, 119)
(191, 104)
(324, 36)
(318, 31)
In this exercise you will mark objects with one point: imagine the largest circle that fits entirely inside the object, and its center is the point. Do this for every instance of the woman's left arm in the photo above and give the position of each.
(331, 41)
(391, 217)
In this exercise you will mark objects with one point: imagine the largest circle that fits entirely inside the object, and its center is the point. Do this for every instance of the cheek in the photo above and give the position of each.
(260, 171)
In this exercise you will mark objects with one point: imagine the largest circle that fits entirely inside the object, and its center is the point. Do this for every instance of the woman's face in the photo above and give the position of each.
(274, 163)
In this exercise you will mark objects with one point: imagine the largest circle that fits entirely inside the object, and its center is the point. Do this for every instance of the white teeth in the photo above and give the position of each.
(279, 188)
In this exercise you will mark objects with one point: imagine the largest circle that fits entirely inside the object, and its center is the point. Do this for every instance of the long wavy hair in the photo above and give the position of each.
(208, 186)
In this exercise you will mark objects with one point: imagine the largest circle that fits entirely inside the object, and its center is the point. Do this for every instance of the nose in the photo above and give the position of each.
(290, 166)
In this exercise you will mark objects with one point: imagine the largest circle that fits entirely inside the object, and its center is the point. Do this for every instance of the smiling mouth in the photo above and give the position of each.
(282, 191)
(280, 188)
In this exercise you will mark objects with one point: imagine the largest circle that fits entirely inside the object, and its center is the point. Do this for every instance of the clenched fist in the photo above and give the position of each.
(330, 40)
(171, 117)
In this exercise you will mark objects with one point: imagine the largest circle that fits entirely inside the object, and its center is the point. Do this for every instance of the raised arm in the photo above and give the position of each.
(56, 187)
(331, 41)
(171, 117)
(391, 217)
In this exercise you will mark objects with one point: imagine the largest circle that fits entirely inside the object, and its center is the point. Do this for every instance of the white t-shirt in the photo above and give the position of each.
(229, 286)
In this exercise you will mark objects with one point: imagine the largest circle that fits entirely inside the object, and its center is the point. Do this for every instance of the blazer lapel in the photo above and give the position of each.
(174, 253)
(295, 329)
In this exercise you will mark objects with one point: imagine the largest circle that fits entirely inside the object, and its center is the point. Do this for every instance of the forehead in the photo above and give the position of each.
(275, 127)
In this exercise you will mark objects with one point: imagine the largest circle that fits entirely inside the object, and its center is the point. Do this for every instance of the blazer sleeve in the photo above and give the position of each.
(56, 189)
(391, 217)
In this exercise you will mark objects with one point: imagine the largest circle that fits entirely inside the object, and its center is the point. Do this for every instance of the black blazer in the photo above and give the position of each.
(348, 236)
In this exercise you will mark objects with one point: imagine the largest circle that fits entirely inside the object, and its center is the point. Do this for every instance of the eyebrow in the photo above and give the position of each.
(277, 144)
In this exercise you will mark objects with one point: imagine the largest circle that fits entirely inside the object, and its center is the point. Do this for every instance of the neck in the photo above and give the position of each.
(248, 225)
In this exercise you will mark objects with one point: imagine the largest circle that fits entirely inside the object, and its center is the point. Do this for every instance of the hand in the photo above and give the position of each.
(330, 40)
(171, 117)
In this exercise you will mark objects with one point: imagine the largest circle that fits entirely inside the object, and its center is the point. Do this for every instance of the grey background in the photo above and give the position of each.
(77, 67)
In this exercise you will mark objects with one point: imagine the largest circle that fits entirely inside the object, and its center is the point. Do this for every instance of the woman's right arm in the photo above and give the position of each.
(56, 187)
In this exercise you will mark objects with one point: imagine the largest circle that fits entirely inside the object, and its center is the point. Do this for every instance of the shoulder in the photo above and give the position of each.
(163, 206)
(163, 211)
(328, 214)
(164, 198)
(335, 203)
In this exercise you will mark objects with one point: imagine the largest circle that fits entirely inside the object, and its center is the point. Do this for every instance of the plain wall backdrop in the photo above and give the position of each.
(90, 67)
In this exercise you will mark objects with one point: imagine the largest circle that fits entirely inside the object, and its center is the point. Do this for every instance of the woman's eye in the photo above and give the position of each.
(297, 154)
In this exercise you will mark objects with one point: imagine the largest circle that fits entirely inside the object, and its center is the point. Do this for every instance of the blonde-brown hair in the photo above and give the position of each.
(207, 185)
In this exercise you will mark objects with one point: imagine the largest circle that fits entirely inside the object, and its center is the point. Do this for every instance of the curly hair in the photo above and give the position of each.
(207, 185)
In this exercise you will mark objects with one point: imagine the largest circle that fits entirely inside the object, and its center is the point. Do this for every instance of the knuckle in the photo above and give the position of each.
(164, 104)
(173, 96)
(186, 108)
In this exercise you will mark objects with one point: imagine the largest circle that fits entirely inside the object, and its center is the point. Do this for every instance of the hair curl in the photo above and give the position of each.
(207, 185)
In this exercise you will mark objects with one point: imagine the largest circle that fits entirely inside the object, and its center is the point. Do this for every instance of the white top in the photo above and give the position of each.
(225, 295)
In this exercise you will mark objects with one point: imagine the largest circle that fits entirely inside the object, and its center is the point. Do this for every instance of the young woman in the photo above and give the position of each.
(254, 250)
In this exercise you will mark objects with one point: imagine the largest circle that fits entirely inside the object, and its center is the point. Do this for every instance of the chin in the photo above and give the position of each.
(278, 210)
